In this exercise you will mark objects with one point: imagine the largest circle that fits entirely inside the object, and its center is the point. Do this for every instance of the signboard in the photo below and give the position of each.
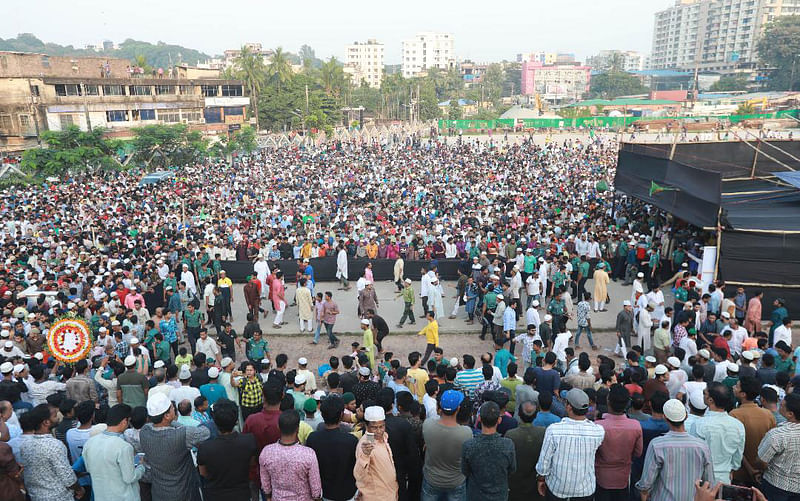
(233, 127)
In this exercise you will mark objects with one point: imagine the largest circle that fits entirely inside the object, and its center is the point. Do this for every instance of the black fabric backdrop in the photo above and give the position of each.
(730, 158)
(325, 269)
(696, 200)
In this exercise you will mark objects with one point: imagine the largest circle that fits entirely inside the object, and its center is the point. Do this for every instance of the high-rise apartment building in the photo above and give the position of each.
(368, 57)
(627, 60)
(428, 50)
(715, 35)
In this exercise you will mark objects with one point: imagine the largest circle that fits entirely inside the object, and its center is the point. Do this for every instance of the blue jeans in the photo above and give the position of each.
(331, 337)
(317, 331)
(431, 493)
(774, 494)
(582, 328)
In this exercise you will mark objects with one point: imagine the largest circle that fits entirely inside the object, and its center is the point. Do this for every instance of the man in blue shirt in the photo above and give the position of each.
(509, 324)
(544, 417)
(212, 390)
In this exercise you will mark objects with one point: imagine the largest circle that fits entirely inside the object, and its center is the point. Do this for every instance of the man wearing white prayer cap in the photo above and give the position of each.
(375, 473)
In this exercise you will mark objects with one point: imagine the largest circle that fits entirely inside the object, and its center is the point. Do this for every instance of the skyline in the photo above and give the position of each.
(480, 35)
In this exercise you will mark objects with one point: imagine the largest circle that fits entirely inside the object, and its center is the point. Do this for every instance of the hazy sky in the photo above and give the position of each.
(484, 30)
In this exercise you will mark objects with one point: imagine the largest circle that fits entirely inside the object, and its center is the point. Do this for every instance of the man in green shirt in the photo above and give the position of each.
(161, 348)
(408, 300)
(193, 319)
(583, 276)
(256, 348)
(557, 308)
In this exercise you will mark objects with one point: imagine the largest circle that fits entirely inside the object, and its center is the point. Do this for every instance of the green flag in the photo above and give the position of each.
(657, 188)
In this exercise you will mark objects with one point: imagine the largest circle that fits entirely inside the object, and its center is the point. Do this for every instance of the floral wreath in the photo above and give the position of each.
(69, 340)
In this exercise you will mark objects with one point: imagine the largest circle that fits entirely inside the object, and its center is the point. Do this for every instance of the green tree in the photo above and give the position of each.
(71, 150)
(609, 85)
(332, 78)
(493, 82)
(250, 69)
(164, 146)
(729, 83)
(428, 104)
(745, 109)
(243, 140)
(279, 69)
(779, 48)
(141, 61)
(454, 111)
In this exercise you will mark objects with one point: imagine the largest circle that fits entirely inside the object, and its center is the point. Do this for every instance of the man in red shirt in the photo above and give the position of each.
(621, 444)
(264, 426)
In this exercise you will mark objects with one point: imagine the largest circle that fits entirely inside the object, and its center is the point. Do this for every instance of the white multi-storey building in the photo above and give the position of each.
(629, 60)
(368, 58)
(715, 35)
(428, 50)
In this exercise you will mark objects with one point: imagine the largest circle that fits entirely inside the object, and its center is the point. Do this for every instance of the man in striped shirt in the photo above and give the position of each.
(566, 462)
(780, 449)
(469, 378)
(675, 461)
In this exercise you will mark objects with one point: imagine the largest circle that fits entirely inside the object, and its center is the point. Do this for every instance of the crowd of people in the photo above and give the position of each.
(173, 403)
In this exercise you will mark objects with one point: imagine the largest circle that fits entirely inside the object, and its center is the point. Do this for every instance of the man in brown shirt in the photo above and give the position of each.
(757, 422)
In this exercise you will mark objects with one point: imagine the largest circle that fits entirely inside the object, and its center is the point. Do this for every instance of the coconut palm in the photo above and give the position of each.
(279, 69)
(251, 70)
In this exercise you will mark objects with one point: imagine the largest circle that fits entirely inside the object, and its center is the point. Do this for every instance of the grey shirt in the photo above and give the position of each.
(443, 444)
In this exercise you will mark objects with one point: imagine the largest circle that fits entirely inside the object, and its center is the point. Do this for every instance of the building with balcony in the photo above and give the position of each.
(628, 60)
(428, 50)
(713, 35)
(368, 57)
(40, 92)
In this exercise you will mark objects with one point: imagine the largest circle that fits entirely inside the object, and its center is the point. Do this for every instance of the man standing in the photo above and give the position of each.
(374, 470)
(779, 450)
(47, 472)
(341, 268)
(379, 326)
(329, 311)
(624, 328)
(566, 463)
(757, 422)
(442, 479)
(132, 386)
(621, 444)
(431, 332)
(335, 450)
(527, 440)
(167, 449)
(289, 470)
(109, 460)
(278, 299)
(675, 461)
(723, 433)
(488, 459)
(226, 290)
(424, 290)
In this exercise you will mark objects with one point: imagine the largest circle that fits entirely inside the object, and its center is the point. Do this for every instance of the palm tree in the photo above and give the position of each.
(279, 69)
(250, 69)
(615, 62)
(332, 77)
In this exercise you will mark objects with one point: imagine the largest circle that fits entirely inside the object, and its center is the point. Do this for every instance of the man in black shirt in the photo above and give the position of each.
(335, 450)
(225, 461)
(200, 374)
(365, 389)
(405, 450)
(380, 327)
(349, 378)
(9, 389)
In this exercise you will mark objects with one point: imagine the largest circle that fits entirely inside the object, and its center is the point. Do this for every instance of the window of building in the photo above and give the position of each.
(208, 90)
(147, 114)
(68, 90)
(231, 90)
(25, 122)
(117, 116)
(5, 122)
(66, 120)
(191, 115)
(35, 90)
(91, 90)
(165, 89)
(139, 90)
(172, 116)
(113, 90)
(186, 90)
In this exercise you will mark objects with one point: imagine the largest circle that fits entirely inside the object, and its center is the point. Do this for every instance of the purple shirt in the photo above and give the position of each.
(290, 472)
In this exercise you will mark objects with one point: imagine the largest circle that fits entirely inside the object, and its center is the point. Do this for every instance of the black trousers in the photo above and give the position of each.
(602, 494)
(424, 305)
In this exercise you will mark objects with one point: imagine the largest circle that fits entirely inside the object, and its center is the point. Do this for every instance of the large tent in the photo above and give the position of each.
(746, 190)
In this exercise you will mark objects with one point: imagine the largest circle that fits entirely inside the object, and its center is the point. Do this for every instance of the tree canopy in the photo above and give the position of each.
(779, 48)
(729, 83)
(613, 84)
(69, 151)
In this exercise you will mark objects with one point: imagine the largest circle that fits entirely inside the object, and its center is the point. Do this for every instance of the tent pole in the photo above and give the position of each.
(719, 242)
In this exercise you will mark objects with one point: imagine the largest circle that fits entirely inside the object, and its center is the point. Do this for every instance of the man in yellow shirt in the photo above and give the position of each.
(431, 332)
(226, 288)
(417, 377)
(372, 249)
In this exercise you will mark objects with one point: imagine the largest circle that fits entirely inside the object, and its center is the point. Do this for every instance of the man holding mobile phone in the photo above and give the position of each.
(374, 471)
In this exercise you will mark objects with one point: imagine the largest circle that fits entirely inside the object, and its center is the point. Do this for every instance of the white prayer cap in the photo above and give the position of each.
(374, 413)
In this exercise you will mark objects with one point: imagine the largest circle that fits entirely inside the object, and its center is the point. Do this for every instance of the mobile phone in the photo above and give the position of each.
(735, 493)
(370, 437)
(137, 458)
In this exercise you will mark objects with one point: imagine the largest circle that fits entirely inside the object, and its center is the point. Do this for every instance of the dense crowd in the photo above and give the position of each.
(163, 409)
